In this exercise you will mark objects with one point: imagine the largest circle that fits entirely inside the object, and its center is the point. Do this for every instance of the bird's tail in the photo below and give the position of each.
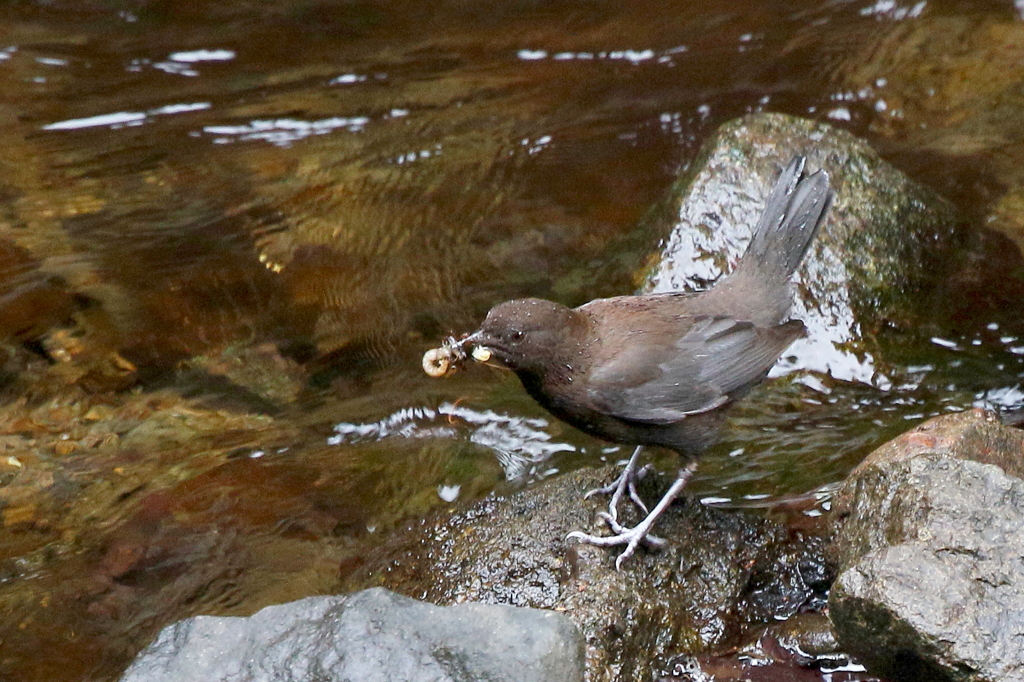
(787, 225)
(791, 217)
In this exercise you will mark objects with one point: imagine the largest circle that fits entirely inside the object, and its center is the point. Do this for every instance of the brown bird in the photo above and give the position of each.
(660, 369)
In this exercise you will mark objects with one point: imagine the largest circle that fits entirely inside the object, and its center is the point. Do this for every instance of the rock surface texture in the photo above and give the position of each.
(722, 574)
(369, 636)
(931, 554)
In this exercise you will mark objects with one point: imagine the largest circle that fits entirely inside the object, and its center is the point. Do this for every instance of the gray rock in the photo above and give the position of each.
(369, 636)
(931, 554)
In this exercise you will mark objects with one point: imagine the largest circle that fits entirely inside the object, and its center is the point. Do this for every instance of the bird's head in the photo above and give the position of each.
(526, 334)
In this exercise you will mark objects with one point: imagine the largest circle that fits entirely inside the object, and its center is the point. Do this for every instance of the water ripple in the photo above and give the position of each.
(517, 441)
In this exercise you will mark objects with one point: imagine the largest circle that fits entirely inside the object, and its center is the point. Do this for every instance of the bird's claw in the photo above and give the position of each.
(652, 541)
(603, 490)
(640, 533)
(635, 497)
(630, 537)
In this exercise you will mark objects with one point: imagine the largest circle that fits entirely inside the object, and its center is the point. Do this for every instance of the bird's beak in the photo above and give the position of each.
(450, 356)
(474, 345)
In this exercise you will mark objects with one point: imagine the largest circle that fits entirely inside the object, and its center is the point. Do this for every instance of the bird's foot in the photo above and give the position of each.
(624, 484)
(630, 537)
(641, 532)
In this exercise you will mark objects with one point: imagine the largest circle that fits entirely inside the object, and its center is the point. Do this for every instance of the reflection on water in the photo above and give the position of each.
(519, 443)
(1003, 399)
(284, 131)
(121, 119)
(890, 9)
(257, 216)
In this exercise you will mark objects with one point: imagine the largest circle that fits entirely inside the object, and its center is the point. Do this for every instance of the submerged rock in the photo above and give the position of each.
(365, 637)
(944, 89)
(931, 582)
(800, 649)
(722, 573)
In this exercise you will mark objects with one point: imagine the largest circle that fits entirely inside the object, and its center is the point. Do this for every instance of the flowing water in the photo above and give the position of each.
(245, 222)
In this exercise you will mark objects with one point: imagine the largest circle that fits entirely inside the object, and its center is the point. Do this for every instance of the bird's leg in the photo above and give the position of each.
(631, 537)
(626, 482)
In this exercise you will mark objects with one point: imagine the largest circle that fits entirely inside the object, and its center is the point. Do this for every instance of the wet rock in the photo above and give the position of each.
(931, 582)
(722, 572)
(371, 635)
(886, 239)
(806, 637)
(800, 648)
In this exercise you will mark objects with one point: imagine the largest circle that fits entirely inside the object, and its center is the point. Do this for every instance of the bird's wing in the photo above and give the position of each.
(663, 378)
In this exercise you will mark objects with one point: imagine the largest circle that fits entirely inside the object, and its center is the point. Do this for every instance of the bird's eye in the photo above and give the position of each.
(516, 334)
